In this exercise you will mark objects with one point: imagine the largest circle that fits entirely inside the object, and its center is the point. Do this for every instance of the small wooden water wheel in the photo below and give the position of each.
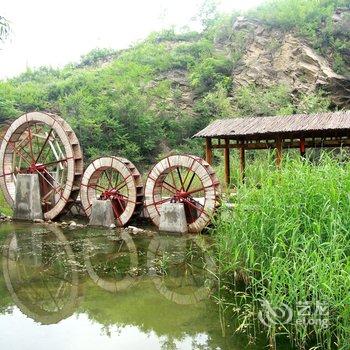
(43, 144)
(116, 179)
(184, 179)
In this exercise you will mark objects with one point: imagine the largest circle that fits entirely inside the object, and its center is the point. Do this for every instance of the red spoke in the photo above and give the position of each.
(124, 180)
(19, 153)
(46, 172)
(168, 184)
(57, 161)
(125, 198)
(95, 187)
(189, 171)
(123, 206)
(181, 182)
(190, 183)
(7, 174)
(116, 214)
(44, 145)
(201, 189)
(194, 206)
(192, 218)
(159, 202)
(108, 179)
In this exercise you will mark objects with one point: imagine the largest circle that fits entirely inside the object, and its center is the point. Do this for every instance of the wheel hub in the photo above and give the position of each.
(36, 167)
(180, 195)
(110, 194)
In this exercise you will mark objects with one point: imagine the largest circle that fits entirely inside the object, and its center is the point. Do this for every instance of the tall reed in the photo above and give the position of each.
(287, 241)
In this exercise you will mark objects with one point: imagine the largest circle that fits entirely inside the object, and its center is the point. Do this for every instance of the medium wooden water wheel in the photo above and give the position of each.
(116, 179)
(44, 144)
(185, 179)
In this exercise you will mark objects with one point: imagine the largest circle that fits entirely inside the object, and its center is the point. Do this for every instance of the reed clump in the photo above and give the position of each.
(287, 242)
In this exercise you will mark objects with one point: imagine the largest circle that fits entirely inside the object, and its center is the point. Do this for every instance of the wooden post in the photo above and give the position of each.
(208, 150)
(242, 161)
(278, 152)
(227, 162)
(302, 148)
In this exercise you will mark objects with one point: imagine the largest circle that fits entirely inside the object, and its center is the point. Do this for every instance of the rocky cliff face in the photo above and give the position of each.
(274, 57)
(271, 56)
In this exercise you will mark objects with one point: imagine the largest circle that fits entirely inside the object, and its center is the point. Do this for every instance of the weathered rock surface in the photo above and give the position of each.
(273, 57)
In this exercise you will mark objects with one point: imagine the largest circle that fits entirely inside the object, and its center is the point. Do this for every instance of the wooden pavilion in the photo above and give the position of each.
(294, 131)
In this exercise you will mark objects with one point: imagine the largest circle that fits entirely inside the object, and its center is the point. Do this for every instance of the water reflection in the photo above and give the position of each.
(108, 290)
(112, 261)
(182, 268)
(39, 274)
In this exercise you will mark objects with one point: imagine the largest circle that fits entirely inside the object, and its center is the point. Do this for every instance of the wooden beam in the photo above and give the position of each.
(227, 162)
(242, 162)
(294, 144)
(302, 148)
(208, 150)
(278, 152)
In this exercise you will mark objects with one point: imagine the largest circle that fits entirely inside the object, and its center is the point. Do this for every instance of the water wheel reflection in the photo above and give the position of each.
(40, 274)
(111, 261)
(182, 268)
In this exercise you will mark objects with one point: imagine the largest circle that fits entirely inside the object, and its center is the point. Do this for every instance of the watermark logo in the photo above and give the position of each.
(269, 315)
(306, 313)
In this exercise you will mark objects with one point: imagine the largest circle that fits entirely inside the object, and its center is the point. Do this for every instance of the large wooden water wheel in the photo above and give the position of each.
(184, 179)
(44, 144)
(115, 179)
(40, 274)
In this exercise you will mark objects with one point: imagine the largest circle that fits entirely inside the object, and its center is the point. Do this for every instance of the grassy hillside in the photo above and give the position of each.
(150, 99)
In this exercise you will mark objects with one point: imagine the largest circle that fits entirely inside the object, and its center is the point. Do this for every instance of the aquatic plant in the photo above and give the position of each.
(285, 244)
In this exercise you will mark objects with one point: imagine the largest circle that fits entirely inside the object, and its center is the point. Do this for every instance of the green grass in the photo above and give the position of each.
(4, 207)
(287, 241)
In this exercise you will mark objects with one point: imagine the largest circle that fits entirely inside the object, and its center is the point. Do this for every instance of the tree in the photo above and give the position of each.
(4, 28)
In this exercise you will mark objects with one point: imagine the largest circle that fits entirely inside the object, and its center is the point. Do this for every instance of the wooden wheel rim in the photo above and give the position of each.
(158, 247)
(115, 285)
(131, 179)
(209, 181)
(74, 163)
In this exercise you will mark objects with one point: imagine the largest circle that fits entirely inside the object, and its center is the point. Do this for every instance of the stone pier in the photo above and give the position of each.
(101, 213)
(173, 218)
(27, 198)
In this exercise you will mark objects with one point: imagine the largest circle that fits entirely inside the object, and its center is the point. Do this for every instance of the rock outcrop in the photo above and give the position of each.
(273, 57)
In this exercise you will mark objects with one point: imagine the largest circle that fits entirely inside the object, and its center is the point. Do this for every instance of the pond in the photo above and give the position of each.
(95, 288)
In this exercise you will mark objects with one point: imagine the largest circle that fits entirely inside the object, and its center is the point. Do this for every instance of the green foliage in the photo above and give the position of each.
(211, 71)
(97, 56)
(4, 207)
(208, 13)
(215, 104)
(312, 19)
(313, 103)
(287, 241)
(150, 99)
(277, 100)
(254, 100)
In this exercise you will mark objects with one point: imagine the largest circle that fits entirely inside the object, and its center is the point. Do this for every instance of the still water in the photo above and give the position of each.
(98, 289)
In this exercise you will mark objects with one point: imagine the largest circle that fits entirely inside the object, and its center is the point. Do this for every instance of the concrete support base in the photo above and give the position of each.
(27, 198)
(101, 213)
(173, 218)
